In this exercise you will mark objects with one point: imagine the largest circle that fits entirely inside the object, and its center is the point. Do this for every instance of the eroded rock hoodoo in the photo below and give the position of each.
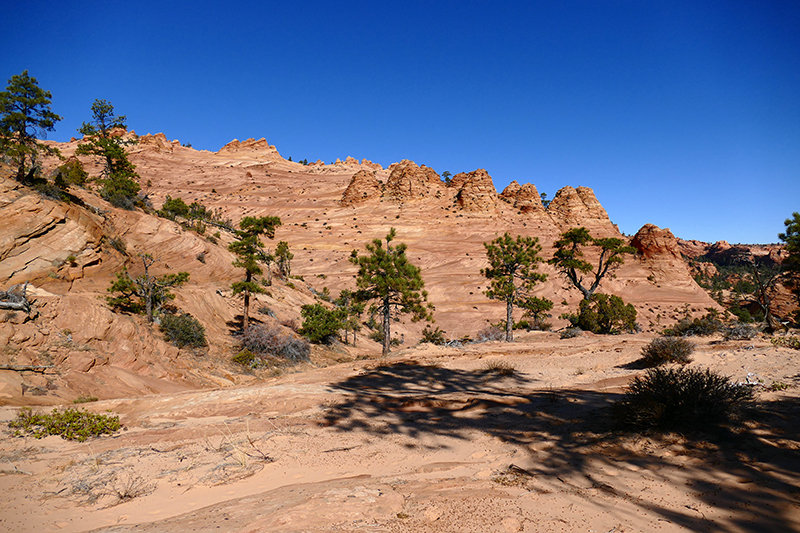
(363, 187)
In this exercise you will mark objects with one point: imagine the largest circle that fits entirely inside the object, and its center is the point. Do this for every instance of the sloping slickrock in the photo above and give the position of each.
(363, 187)
(409, 182)
(39, 234)
(476, 191)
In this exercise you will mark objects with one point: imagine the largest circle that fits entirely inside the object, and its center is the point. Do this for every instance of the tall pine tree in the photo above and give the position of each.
(249, 251)
(511, 272)
(394, 286)
(25, 115)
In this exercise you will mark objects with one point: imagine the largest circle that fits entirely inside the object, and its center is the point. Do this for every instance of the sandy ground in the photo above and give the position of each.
(424, 441)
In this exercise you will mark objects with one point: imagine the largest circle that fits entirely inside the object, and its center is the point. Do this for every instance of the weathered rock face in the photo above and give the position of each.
(525, 198)
(579, 207)
(157, 142)
(260, 147)
(654, 242)
(476, 191)
(409, 182)
(40, 235)
(363, 187)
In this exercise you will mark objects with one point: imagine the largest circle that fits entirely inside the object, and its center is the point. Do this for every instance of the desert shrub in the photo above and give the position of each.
(70, 424)
(264, 310)
(676, 399)
(786, 342)
(85, 399)
(273, 340)
(183, 330)
(704, 326)
(490, 333)
(502, 368)
(431, 336)
(571, 333)
(604, 314)
(667, 350)
(320, 324)
(739, 332)
(742, 314)
(50, 190)
(71, 173)
(247, 358)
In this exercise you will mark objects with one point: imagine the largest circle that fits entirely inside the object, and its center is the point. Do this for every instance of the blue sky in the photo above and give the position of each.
(684, 114)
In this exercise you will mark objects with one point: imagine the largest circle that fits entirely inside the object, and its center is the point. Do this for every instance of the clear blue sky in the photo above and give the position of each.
(684, 114)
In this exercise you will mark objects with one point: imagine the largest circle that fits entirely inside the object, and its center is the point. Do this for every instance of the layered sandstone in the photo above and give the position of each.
(476, 191)
(523, 197)
(260, 148)
(579, 207)
(409, 182)
(363, 187)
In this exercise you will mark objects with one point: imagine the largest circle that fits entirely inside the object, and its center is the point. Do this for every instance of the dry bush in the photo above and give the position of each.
(273, 340)
(502, 368)
(490, 333)
(667, 350)
(739, 332)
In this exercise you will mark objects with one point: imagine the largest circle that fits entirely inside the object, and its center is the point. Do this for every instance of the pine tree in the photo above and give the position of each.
(25, 114)
(394, 285)
(249, 251)
(568, 258)
(150, 291)
(511, 271)
(284, 258)
(118, 176)
(791, 265)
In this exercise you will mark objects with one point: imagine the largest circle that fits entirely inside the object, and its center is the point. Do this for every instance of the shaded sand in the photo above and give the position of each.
(424, 441)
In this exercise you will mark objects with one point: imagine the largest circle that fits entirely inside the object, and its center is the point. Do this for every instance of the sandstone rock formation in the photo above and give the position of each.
(260, 147)
(476, 191)
(525, 198)
(409, 182)
(579, 207)
(653, 242)
(363, 187)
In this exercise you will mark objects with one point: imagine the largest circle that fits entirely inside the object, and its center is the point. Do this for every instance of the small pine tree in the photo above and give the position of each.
(388, 279)
(284, 258)
(144, 293)
(321, 324)
(511, 271)
(249, 252)
(118, 177)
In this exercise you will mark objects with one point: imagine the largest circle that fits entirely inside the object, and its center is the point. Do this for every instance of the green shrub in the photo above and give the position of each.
(70, 424)
(71, 173)
(742, 314)
(320, 324)
(739, 332)
(183, 330)
(786, 342)
(677, 399)
(709, 324)
(431, 336)
(604, 314)
(667, 350)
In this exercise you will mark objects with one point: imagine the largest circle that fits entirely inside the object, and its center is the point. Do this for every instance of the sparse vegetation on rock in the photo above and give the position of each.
(274, 341)
(70, 424)
(708, 324)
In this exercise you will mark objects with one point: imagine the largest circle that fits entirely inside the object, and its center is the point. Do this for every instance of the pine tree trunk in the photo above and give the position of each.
(509, 321)
(387, 334)
(246, 312)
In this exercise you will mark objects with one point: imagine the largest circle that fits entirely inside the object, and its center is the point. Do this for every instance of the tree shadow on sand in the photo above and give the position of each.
(721, 467)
